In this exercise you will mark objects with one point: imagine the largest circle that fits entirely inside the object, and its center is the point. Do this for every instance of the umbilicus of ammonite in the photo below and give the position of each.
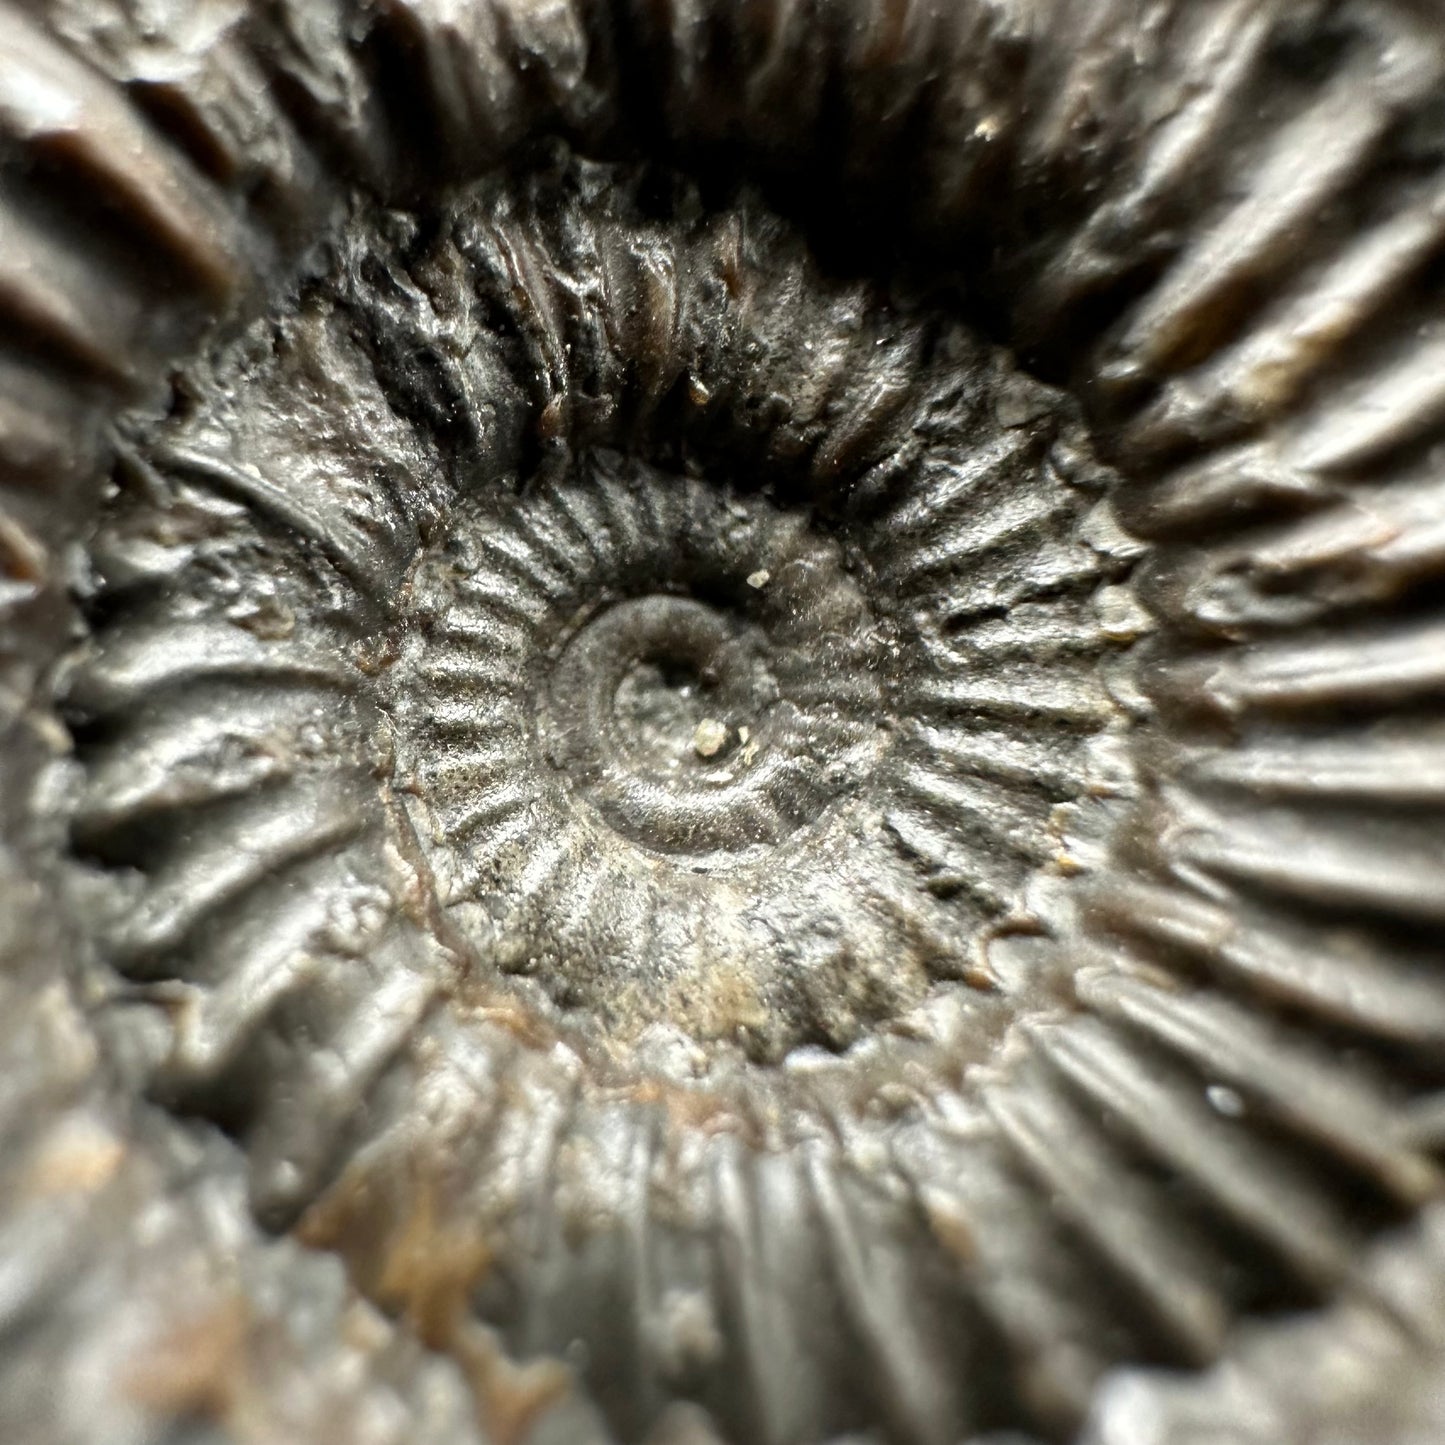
(722, 721)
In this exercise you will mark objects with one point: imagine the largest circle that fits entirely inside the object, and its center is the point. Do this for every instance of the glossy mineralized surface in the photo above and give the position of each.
(722, 722)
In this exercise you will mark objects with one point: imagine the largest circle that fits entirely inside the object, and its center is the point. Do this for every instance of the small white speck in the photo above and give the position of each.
(709, 737)
(760, 578)
(1225, 1101)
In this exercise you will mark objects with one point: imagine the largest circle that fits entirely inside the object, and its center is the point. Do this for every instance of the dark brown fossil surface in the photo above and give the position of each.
(722, 722)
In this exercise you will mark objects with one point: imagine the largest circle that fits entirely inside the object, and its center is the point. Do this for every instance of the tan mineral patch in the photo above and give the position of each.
(77, 1158)
(197, 1368)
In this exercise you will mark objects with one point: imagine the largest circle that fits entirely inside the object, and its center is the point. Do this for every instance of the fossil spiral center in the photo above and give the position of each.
(684, 723)
(670, 696)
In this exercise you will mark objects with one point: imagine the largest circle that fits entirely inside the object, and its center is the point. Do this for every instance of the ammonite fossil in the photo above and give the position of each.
(722, 721)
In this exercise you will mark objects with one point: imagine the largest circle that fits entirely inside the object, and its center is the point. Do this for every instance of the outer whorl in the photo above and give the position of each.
(722, 723)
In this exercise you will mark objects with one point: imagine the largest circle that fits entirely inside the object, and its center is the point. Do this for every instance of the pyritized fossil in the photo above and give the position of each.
(722, 722)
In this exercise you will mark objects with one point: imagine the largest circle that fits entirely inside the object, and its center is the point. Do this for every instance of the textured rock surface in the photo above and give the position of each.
(721, 722)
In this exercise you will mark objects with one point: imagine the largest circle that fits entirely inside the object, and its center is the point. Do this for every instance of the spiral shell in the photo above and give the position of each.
(764, 828)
